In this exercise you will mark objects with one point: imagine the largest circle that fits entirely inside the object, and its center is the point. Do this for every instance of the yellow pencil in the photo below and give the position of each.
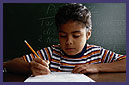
(31, 48)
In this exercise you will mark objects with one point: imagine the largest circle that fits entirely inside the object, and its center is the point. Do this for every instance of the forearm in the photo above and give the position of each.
(118, 66)
(17, 65)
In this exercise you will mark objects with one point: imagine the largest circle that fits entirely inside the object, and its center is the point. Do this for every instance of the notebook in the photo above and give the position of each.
(60, 77)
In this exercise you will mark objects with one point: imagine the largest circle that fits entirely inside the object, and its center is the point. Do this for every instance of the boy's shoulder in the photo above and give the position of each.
(93, 49)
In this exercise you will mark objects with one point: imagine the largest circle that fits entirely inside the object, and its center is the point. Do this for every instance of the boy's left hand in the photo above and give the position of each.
(86, 68)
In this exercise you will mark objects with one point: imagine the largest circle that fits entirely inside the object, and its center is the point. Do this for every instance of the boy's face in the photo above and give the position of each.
(73, 37)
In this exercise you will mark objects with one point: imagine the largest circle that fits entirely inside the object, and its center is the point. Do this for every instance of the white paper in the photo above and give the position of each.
(60, 77)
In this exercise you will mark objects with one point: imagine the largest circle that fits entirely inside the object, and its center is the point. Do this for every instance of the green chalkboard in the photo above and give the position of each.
(34, 22)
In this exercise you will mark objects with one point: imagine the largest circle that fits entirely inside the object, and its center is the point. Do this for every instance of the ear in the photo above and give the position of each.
(88, 34)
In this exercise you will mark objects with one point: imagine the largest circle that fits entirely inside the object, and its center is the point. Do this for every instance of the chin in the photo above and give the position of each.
(70, 53)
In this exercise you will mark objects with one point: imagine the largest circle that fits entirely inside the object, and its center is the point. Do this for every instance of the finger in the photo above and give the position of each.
(36, 65)
(83, 71)
(43, 62)
(43, 70)
(38, 60)
(40, 72)
(37, 72)
(33, 64)
(77, 69)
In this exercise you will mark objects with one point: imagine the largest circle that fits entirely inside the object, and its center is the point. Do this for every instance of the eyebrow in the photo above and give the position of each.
(71, 32)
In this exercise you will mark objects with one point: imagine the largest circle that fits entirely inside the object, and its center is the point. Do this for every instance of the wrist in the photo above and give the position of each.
(99, 67)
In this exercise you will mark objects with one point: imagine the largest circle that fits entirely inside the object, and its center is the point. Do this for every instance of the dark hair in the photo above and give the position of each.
(75, 12)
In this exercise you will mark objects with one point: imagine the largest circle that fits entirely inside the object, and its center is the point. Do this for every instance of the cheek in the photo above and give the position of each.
(81, 42)
(62, 41)
(82, 39)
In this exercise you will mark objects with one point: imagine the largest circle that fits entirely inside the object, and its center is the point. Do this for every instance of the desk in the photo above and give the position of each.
(101, 77)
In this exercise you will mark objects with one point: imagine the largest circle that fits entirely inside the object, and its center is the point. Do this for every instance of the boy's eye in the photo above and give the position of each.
(76, 36)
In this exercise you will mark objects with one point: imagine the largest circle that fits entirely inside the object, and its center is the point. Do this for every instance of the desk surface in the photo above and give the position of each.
(102, 77)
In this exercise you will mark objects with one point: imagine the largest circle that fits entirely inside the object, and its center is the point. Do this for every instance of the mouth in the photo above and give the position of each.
(69, 49)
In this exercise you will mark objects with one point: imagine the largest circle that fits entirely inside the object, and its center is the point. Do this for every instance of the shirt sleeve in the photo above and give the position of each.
(108, 56)
(44, 54)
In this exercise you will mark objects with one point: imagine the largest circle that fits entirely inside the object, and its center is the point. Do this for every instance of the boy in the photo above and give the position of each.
(74, 26)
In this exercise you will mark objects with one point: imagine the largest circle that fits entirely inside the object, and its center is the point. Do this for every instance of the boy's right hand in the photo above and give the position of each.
(39, 67)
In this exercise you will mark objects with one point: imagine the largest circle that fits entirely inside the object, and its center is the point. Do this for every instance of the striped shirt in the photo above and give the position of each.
(60, 62)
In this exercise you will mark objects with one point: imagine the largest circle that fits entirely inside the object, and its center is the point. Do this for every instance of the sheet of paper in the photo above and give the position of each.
(60, 77)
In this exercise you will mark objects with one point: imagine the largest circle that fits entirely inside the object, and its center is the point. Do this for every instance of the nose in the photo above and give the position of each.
(69, 40)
